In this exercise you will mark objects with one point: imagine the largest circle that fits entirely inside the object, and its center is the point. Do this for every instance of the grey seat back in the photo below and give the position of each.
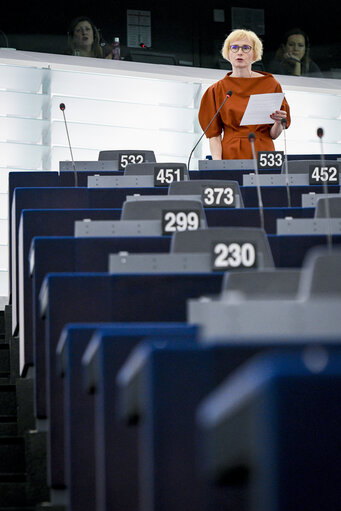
(113, 154)
(225, 164)
(147, 168)
(274, 283)
(334, 207)
(302, 166)
(88, 165)
(321, 275)
(196, 187)
(159, 263)
(152, 209)
(203, 239)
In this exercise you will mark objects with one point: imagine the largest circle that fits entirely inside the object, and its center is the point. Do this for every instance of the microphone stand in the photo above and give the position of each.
(228, 95)
(252, 138)
(284, 124)
(62, 107)
(325, 190)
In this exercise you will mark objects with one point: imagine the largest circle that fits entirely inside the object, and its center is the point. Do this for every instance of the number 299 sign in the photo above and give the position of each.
(176, 220)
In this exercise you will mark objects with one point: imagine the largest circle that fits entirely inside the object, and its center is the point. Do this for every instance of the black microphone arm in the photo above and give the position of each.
(228, 95)
(62, 107)
(252, 138)
(320, 134)
(284, 126)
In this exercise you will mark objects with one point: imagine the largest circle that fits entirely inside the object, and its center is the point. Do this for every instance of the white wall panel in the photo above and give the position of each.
(21, 78)
(3, 205)
(312, 104)
(3, 258)
(114, 113)
(22, 130)
(3, 288)
(4, 179)
(23, 156)
(113, 137)
(122, 88)
(22, 104)
(3, 232)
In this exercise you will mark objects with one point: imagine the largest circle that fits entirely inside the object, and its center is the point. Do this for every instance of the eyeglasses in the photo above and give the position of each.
(245, 48)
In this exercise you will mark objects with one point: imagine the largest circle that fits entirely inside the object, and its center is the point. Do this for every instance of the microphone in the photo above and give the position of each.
(284, 124)
(62, 107)
(228, 95)
(320, 132)
(325, 190)
(252, 139)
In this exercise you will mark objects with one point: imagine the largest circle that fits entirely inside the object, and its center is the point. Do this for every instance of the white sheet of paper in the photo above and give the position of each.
(260, 106)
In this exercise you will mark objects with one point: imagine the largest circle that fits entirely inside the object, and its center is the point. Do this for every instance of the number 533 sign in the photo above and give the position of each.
(270, 160)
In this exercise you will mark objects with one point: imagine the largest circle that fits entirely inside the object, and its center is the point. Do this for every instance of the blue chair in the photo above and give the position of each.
(46, 222)
(161, 386)
(81, 297)
(289, 250)
(100, 454)
(41, 178)
(249, 217)
(63, 198)
(276, 196)
(61, 254)
(274, 424)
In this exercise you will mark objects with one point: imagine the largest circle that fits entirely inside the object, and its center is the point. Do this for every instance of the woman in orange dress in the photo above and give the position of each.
(241, 48)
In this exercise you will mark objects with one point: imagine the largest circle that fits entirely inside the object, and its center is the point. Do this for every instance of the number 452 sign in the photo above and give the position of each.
(320, 174)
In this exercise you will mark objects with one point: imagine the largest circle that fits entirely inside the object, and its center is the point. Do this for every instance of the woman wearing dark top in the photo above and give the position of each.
(84, 39)
(293, 56)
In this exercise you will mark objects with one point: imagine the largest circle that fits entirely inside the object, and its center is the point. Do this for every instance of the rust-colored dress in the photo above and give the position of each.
(235, 143)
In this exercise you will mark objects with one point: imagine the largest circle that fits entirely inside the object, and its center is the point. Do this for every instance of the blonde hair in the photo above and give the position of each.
(254, 40)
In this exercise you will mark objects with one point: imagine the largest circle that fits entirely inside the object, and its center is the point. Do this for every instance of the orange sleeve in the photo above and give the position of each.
(207, 111)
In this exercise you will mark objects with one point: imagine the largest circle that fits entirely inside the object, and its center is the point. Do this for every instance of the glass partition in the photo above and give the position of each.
(179, 35)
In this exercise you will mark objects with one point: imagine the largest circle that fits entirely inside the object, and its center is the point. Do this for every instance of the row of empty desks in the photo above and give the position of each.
(122, 417)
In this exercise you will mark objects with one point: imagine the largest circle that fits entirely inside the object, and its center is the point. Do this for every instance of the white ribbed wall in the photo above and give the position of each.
(113, 105)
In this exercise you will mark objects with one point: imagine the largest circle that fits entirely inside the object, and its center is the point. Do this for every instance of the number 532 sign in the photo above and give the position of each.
(125, 159)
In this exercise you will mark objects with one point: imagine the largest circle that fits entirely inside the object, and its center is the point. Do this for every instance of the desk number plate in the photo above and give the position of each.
(319, 174)
(270, 160)
(125, 159)
(236, 255)
(176, 220)
(218, 197)
(164, 176)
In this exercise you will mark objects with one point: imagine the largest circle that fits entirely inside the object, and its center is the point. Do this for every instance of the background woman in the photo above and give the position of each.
(293, 56)
(83, 38)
